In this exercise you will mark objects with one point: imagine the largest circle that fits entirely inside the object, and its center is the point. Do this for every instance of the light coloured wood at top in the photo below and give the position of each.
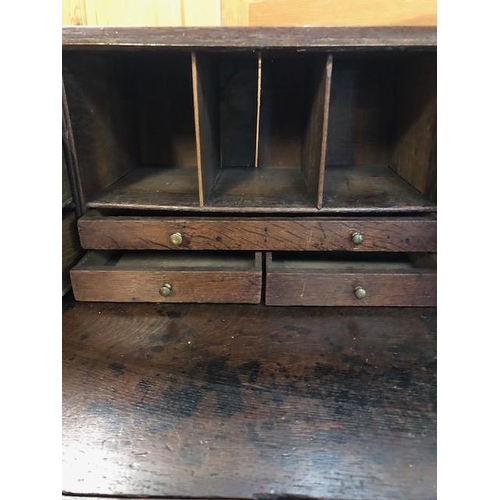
(141, 13)
(249, 13)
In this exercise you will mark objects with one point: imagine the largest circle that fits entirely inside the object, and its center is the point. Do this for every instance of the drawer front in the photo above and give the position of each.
(285, 288)
(313, 234)
(186, 286)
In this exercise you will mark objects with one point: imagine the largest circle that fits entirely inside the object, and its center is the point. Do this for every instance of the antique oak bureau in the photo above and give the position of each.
(288, 166)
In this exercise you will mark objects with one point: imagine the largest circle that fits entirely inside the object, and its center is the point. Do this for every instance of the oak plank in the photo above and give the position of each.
(394, 234)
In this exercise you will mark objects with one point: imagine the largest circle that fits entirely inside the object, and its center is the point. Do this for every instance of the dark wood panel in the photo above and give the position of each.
(315, 141)
(415, 125)
(279, 188)
(285, 104)
(207, 123)
(100, 93)
(238, 92)
(241, 401)
(360, 112)
(70, 157)
(165, 109)
(67, 197)
(71, 249)
(142, 233)
(140, 278)
(340, 38)
(371, 189)
(331, 283)
(151, 187)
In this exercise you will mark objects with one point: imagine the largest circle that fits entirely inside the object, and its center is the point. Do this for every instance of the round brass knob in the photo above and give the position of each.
(176, 239)
(357, 238)
(165, 290)
(359, 292)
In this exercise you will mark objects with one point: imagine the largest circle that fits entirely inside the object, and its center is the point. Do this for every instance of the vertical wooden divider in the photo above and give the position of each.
(69, 150)
(259, 95)
(316, 136)
(206, 120)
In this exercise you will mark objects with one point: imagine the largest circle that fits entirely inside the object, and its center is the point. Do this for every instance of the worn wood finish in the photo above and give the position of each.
(195, 278)
(104, 129)
(407, 234)
(415, 127)
(371, 188)
(361, 111)
(241, 401)
(315, 141)
(286, 100)
(71, 249)
(207, 123)
(238, 105)
(264, 189)
(164, 108)
(331, 282)
(70, 157)
(314, 38)
(67, 197)
(171, 188)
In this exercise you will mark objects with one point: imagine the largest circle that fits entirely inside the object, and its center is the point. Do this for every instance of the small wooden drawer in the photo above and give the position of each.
(350, 280)
(205, 277)
(371, 234)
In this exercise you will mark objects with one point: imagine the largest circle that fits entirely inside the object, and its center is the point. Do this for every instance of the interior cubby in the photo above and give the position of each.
(381, 146)
(258, 129)
(133, 124)
(253, 131)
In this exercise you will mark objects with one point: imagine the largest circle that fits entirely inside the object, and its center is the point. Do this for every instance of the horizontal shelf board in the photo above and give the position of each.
(371, 188)
(352, 189)
(260, 187)
(361, 38)
(150, 187)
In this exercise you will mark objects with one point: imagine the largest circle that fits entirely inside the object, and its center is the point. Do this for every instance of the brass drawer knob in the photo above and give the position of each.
(176, 239)
(165, 290)
(359, 292)
(357, 238)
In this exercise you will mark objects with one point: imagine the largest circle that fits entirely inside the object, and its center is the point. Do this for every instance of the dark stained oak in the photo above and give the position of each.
(164, 109)
(414, 155)
(371, 188)
(315, 141)
(339, 38)
(171, 188)
(332, 281)
(71, 249)
(67, 196)
(260, 189)
(207, 123)
(347, 189)
(139, 276)
(249, 401)
(103, 131)
(393, 234)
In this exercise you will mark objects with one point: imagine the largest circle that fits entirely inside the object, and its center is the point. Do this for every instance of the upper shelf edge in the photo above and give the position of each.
(359, 38)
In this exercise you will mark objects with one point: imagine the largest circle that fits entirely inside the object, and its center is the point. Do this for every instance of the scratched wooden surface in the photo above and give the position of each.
(249, 401)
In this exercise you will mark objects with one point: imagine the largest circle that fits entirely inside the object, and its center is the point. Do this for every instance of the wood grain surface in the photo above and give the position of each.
(139, 277)
(394, 234)
(386, 284)
(249, 401)
(71, 249)
(341, 38)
